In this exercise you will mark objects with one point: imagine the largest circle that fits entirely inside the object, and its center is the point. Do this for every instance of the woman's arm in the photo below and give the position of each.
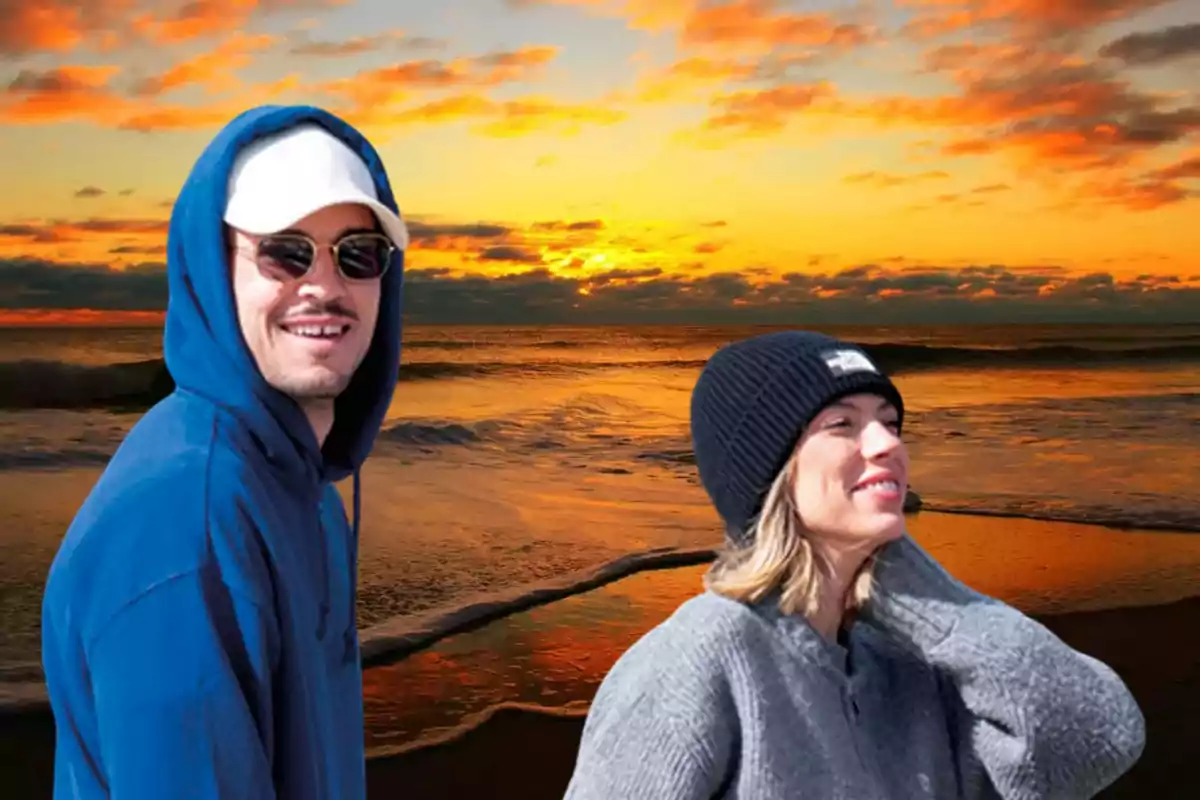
(1039, 718)
(660, 726)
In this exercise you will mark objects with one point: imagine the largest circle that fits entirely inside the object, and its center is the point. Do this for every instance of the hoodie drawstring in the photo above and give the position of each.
(348, 635)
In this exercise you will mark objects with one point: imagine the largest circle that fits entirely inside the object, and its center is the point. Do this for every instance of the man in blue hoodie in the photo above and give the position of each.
(199, 635)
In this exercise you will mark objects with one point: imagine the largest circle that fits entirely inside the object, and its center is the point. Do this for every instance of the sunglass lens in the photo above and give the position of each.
(290, 255)
(364, 257)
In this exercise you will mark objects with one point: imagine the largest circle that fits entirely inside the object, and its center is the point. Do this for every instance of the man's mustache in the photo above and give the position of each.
(333, 308)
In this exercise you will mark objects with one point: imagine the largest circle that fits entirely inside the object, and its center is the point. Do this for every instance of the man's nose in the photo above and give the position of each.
(323, 277)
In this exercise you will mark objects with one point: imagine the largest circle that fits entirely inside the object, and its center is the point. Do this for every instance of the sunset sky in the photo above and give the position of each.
(652, 160)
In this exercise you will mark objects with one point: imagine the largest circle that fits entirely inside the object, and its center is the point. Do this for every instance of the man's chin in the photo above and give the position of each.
(315, 384)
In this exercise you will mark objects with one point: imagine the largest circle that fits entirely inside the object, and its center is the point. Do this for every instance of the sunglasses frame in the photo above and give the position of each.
(333, 248)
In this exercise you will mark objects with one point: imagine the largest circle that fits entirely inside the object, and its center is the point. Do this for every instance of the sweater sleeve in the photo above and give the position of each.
(181, 678)
(1039, 718)
(661, 726)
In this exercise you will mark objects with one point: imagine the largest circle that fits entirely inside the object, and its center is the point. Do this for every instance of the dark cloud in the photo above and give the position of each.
(562, 225)
(76, 230)
(519, 255)
(34, 283)
(871, 293)
(1188, 168)
(88, 192)
(1058, 111)
(1156, 47)
(137, 249)
(973, 294)
(52, 81)
(1021, 19)
(424, 231)
(356, 45)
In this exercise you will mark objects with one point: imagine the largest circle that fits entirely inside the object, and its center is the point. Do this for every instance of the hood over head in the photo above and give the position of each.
(203, 345)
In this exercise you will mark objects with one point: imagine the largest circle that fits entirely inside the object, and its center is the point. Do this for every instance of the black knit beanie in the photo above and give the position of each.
(752, 402)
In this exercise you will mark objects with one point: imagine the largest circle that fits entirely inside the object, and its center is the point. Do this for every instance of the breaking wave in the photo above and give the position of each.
(22, 686)
(139, 384)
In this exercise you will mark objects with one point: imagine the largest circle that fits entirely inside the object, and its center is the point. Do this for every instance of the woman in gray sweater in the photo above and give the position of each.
(829, 656)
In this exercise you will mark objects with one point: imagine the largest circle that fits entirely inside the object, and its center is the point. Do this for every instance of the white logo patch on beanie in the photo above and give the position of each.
(844, 362)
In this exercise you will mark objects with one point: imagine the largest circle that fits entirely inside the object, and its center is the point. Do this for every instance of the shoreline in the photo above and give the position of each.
(390, 641)
(495, 747)
(1116, 522)
(500, 743)
(395, 639)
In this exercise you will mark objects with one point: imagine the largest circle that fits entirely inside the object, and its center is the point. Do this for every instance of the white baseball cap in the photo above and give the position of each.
(278, 180)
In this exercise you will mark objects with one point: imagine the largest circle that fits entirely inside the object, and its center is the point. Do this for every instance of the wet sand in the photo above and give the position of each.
(527, 754)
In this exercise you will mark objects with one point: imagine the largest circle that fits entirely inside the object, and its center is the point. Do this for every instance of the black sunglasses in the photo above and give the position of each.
(358, 256)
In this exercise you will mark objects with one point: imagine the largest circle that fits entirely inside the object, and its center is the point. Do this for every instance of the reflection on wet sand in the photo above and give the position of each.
(555, 656)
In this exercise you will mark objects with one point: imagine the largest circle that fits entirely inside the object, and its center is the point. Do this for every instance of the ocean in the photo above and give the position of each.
(519, 458)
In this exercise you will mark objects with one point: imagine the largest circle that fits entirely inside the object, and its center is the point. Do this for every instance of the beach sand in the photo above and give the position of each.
(496, 711)
(529, 755)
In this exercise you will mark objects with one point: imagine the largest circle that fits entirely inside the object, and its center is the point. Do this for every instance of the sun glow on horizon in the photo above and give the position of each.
(895, 151)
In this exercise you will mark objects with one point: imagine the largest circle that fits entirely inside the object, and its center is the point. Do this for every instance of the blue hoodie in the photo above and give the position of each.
(199, 635)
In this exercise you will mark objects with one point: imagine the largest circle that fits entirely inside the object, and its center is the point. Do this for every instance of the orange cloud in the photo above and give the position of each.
(116, 240)
(650, 15)
(214, 69)
(755, 24)
(693, 78)
(62, 93)
(1037, 18)
(364, 44)
(1135, 195)
(79, 93)
(1147, 191)
(492, 69)
(1186, 168)
(975, 198)
(200, 18)
(681, 79)
(77, 230)
(884, 180)
(445, 110)
(1045, 108)
(758, 113)
(160, 117)
(539, 114)
(30, 26)
(370, 92)
(517, 117)
(563, 244)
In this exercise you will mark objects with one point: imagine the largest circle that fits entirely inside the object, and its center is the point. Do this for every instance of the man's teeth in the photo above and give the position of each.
(316, 331)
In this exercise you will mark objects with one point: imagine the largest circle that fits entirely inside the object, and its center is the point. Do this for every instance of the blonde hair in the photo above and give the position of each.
(778, 556)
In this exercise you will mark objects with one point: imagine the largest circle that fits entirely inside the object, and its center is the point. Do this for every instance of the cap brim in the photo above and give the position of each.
(262, 221)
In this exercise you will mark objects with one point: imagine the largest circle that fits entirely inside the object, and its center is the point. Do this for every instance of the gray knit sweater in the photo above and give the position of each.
(939, 692)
